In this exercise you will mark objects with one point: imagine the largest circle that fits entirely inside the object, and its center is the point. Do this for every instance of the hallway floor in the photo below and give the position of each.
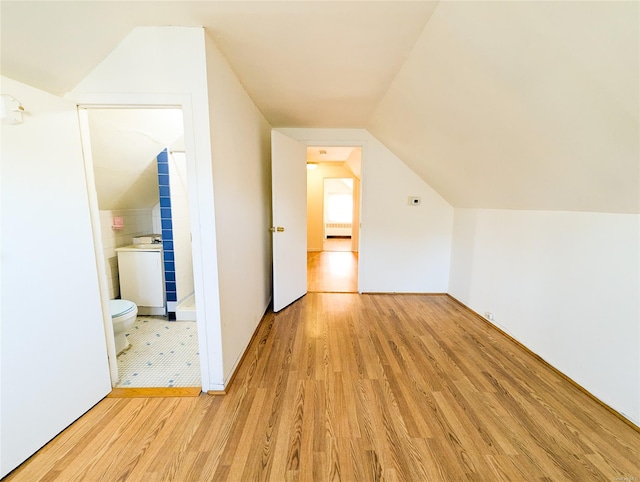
(337, 244)
(333, 271)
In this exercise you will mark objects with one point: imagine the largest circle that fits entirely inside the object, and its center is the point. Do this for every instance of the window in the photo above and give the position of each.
(339, 208)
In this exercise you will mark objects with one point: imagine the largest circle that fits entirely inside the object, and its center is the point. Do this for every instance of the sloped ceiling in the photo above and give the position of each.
(349, 157)
(527, 105)
(124, 146)
(304, 63)
(514, 105)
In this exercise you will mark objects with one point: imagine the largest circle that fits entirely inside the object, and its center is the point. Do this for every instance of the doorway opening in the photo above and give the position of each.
(136, 165)
(333, 218)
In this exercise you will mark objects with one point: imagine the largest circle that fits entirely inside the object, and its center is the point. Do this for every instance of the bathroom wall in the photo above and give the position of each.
(137, 222)
(155, 219)
(181, 225)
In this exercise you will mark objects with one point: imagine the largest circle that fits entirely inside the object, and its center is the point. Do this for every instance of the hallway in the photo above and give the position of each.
(334, 270)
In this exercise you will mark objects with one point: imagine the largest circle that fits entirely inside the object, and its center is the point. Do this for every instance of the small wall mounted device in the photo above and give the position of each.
(10, 110)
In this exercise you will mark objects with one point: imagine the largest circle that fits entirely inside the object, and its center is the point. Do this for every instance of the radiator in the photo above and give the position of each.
(337, 229)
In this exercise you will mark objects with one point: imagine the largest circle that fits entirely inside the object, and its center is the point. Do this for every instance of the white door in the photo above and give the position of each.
(289, 204)
(53, 352)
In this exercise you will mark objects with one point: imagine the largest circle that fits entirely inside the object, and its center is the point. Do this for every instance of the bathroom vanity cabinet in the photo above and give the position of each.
(142, 278)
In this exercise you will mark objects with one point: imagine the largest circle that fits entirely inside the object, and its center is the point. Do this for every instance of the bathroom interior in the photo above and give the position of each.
(140, 174)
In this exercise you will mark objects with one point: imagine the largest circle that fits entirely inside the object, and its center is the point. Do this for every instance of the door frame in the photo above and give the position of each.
(148, 101)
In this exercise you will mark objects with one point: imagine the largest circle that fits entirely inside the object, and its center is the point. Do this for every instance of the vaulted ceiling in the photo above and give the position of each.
(512, 105)
(124, 147)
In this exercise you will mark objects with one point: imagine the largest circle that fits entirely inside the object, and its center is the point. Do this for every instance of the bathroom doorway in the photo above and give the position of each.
(333, 218)
(139, 175)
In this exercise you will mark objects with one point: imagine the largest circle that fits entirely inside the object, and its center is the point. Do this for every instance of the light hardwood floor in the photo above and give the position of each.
(332, 271)
(358, 387)
(337, 244)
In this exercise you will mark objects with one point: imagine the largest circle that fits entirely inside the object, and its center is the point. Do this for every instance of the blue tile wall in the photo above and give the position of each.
(168, 255)
(169, 266)
(167, 226)
(163, 168)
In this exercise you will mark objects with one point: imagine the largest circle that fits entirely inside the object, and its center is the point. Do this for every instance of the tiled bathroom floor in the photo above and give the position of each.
(162, 354)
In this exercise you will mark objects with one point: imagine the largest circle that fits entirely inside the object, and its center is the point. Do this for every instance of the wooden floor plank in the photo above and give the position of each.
(332, 272)
(160, 392)
(358, 387)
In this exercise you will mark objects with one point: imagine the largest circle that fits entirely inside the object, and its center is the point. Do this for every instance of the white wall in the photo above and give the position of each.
(565, 284)
(181, 224)
(137, 222)
(403, 248)
(167, 66)
(242, 181)
(53, 353)
(156, 222)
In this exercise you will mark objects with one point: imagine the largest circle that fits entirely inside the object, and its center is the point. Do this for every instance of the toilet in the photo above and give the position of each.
(123, 315)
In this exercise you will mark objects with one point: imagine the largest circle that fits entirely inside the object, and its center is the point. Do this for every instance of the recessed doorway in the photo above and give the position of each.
(333, 218)
(137, 164)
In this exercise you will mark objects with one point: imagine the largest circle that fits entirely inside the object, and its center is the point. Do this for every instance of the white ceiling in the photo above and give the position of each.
(124, 147)
(329, 153)
(305, 63)
(349, 157)
(515, 105)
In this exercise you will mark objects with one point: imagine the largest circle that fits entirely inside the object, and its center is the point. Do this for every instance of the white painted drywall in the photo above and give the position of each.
(354, 162)
(167, 66)
(403, 248)
(178, 181)
(241, 153)
(137, 222)
(54, 357)
(565, 284)
(124, 146)
(522, 105)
